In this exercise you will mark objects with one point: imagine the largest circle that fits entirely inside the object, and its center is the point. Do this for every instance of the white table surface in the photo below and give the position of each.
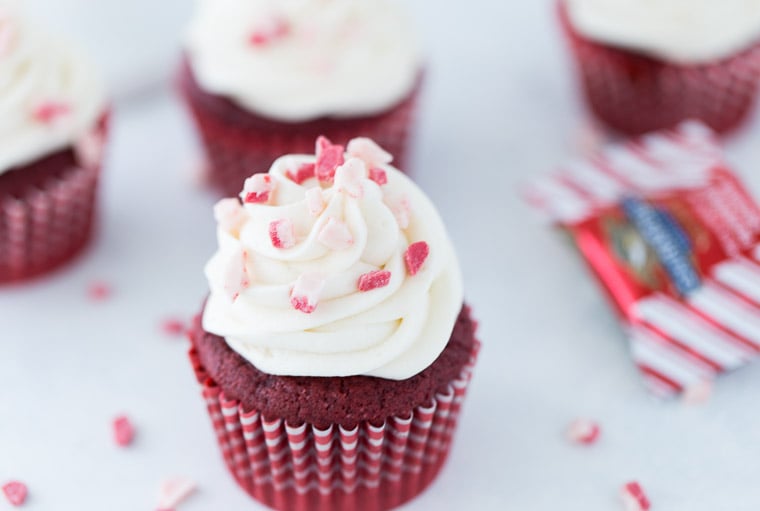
(499, 108)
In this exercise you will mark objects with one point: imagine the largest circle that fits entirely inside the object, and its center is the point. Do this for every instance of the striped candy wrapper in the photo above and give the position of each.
(239, 143)
(48, 223)
(302, 467)
(675, 240)
(634, 93)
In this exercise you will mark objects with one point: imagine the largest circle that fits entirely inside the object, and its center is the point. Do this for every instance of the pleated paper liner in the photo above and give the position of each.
(634, 94)
(47, 223)
(300, 467)
(239, 143)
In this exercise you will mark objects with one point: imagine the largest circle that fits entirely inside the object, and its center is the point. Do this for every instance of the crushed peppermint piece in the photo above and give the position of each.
(378, 175)
(634, 498)
(303, 172)
(374, 280)
(415, 257)
(123, 431)
(173, 327)
(282, 233)
(314, 201)
(306, 292)
(269, 30)
(99, 291)
(47, 112)
(349, 176)
(401, 209)
(15, 492)
(236, 275)
(367, 150)
(229, 214)
(583, 431)
(174, 491)
(335, 235)
(329, 158)
(257, 189)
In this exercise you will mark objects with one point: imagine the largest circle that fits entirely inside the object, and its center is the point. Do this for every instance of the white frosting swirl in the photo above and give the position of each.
(338, 58)
(688, 31)
(50, 97)
(394, 332)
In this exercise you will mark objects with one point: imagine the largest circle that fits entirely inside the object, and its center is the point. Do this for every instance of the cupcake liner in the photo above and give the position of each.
(633, 93)
(242, 144)
(46, 225)
(302, 467)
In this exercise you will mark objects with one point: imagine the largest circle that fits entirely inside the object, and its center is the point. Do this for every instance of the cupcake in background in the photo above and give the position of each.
(334, 349)
(646, 65)
(53, 121)
(266, 77)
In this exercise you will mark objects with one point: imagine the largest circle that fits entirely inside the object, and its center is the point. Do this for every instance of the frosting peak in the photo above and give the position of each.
(344, 272)
(295, 60)
(50, 96)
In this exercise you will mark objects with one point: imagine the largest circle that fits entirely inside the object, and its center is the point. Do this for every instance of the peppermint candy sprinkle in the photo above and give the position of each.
(415, 256)
(374, 280)
(50, 111)
(123, 431)
(367, 150)
(282, 233)
(302, 173)
(329, 158)
(349, 176)
(634, 498)
(257, 189)
(236, 276)
(314, 201)
(174, 491)
(15, 492)
(270, 30)
(335, 235)
(583, 431)
(306, 292)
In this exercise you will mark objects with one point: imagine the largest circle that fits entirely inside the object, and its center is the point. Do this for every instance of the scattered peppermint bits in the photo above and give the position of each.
(229, 214)
(173, 327)
(174, 491)
(236, 276)
(314, 201)
(48, 112)
(401, 209)
(329, 158)
(374, 280)
(123, 431)
(634, 498)
(270, 30)
(349, 176)
(335, 235)
(306, 292)
(302, 173)
(99, 291)
(415, 256)
(583, 431)
(16, 492)
(257, 189)
(282, 233)
(366, 149)
(378, 175)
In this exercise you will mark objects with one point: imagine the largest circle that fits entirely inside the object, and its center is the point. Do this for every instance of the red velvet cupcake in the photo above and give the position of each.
(263, 79)
(53, 126)
(334, 349)
(646, 66)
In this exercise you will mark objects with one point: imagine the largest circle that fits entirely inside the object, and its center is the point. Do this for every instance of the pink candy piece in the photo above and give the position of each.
(173, 327)
(583, 431)
(236, 276)
(415, 256)
(99, 291)
(123, 431)
(229, 214)
(335, 235)
(305, 171)
(698, 393)
(257, 189)
(50, 111)
(282, 233)
(15, 492)
(374, 279)
(314, 201)
(349, 176)
(634, 498)
(329, 158)
(401, 209)
(378, 175)
(367, 150)
(269, 30)
(174, 491)
(306, 292)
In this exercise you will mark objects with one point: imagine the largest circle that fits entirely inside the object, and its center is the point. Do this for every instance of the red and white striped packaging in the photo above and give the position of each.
(634, 93)
(674, 238)
(48, 224)
(301, 467)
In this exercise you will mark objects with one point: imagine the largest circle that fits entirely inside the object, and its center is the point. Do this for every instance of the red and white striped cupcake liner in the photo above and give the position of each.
(302, 467)
(46, 225)
(691, 308)
(237, 148)
(634, 94)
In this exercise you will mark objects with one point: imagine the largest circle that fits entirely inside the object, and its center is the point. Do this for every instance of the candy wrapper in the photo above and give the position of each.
(672, 235)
